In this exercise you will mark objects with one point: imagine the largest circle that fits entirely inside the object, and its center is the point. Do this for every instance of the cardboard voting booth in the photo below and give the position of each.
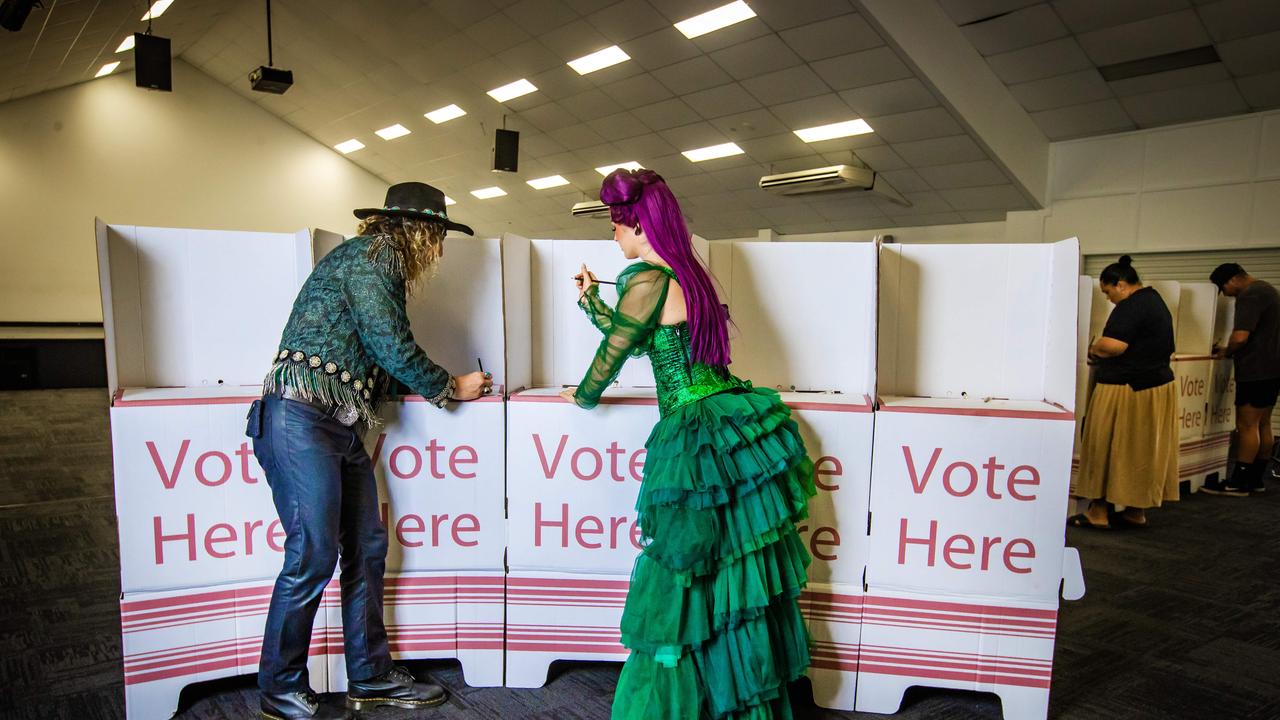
(972, 457)
(1201, 454)
(192, 318)
(574, 475)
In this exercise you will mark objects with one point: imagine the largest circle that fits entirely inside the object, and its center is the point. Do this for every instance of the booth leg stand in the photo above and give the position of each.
(561, 616)
(174, 638)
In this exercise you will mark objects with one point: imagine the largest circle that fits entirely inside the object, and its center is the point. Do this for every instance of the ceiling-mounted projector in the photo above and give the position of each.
(831, 179)
(590, 208)
(271, 80)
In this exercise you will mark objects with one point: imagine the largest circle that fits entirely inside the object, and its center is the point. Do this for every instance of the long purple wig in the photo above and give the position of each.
(642, 197)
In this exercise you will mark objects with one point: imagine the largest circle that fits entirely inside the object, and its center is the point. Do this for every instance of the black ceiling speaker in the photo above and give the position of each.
(152, 65)
(506, 151)
(13, 13)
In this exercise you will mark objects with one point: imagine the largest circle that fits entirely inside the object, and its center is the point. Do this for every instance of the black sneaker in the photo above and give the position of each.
(396, 687)
(1257, 483)
(1228, 488)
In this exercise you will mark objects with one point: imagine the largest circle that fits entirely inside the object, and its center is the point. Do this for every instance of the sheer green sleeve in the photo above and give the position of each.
(377, 301)
(639, 307)
(597, 310)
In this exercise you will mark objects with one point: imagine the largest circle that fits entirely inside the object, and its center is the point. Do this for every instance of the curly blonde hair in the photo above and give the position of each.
(415, 246)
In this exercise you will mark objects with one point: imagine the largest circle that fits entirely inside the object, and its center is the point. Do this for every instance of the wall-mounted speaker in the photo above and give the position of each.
(506, 151)
(152, 66)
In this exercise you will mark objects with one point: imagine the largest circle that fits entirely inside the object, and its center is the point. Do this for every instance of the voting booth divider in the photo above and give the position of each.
(936, 532)
(192, 318)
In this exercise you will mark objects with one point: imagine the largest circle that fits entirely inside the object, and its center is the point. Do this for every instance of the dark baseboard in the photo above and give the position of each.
(47, 364)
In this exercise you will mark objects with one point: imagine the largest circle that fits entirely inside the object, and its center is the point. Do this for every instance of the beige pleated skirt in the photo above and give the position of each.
(1129, 452)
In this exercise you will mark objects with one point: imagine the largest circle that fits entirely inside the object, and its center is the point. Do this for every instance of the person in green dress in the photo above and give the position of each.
(711, 616)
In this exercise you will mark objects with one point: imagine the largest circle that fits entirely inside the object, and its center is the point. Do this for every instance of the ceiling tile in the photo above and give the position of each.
(963, 12)
(977, 216)
(832, 37)
(692, 75)
(539, 145)
(787, 214)
(1018, 29)
(940, 151)
(1252, 55)
(791, 13)
(619, 125)
(1232, 19)
(734, 35)
(574, 40)
(1145, 38)
(743, 177)
(783, 86)
(984, 198)
(748, 125)
(915, 125)
(497, 32)
(881, 158)
(678, 10)
(1055, 57)
(755, 57)
(694, 135)
(1082, 16)
(724, 100)
(597, 155)
(1081, 120)
(590, 105)
(782, 146)
(1073, 89)
(667, 114)
(812, 112)
(650, 145)
(625, 21)
(463, 13)
(867, 67)
(576, 137)
(1197, 75)
(661, 48)
(963, 175)
(529, 58)
(637, 91)
(541, 16)
(922, 203)
(889, 98)
(1261, 91)
(1184, 104)
(556, 83)
(905, 181)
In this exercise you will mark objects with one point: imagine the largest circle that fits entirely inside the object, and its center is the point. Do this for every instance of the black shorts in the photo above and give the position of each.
(1257, 393)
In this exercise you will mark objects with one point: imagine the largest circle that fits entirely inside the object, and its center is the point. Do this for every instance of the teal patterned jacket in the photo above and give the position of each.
(348, 336)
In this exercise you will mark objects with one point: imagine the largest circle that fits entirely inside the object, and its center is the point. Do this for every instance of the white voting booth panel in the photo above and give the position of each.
(1199, 453)
(574, 475)
(187, 355)
(973, 442)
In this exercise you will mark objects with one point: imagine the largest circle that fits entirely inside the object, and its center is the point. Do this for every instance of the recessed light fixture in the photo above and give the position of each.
(547, 182)
(157, 9)
(606, 169)
(713, 152)
(489, 192)
(392, 132)
(108, 69)
(712, 20)
(449, 201)
(349, 146)
(445, 114)
(513, 90)
(599, 60)
(125, 45)
(834, 130)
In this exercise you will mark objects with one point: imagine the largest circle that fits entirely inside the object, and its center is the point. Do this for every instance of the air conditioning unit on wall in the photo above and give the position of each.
(831, 179)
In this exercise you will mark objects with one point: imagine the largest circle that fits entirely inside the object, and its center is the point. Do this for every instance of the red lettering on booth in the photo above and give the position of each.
(827, 466)
(168, 478)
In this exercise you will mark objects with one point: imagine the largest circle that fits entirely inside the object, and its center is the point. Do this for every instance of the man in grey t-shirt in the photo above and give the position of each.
(1255, 348)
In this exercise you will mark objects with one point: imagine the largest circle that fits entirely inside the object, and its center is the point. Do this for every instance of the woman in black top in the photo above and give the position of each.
(1129, 450)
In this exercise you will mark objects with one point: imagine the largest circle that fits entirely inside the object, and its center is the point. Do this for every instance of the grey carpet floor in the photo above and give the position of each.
(1181, 620)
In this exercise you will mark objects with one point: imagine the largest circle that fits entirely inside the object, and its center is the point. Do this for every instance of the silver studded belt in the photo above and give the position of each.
(343, 414)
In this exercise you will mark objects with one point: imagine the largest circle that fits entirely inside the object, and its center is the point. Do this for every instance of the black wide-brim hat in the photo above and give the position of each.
(415, 200)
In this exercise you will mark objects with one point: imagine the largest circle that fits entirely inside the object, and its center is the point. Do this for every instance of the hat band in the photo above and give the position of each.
(428, 211)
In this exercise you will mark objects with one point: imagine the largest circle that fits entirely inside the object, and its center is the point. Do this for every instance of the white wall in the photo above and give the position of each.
(1199, 186)
(987, 232)
(200, 157)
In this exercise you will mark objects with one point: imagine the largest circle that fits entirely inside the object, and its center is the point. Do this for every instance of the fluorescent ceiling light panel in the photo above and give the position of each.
(599, 60)
(834, 130)
(512, 90)
(125, 45)
(605, 170)
(713, 152)
(349, 146)
(108, 69)
(712, 20)
(449, 201)
(547, 182)
(393, 132)
(445, 114)
(489, 192)
(157, 9)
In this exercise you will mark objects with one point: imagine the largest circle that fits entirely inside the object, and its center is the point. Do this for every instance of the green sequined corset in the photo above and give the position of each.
(681, 381)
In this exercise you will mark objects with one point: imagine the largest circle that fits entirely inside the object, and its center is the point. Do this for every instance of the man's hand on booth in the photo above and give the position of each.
(472, 385)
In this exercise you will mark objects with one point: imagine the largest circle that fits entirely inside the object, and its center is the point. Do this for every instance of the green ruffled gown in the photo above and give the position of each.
(711, 617)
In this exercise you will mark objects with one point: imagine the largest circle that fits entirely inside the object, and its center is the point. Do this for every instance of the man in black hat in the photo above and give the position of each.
(1254, 347)
(347, 338)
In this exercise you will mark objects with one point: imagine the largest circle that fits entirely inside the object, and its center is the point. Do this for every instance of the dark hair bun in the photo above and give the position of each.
(1125, 260)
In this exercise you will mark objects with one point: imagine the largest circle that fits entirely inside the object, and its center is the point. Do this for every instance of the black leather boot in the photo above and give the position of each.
(294, 705)
(397, 688)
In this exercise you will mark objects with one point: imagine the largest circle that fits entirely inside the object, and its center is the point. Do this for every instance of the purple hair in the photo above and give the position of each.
(642, 197)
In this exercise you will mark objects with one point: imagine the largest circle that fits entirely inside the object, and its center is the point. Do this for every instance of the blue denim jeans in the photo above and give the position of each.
(322, 483)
